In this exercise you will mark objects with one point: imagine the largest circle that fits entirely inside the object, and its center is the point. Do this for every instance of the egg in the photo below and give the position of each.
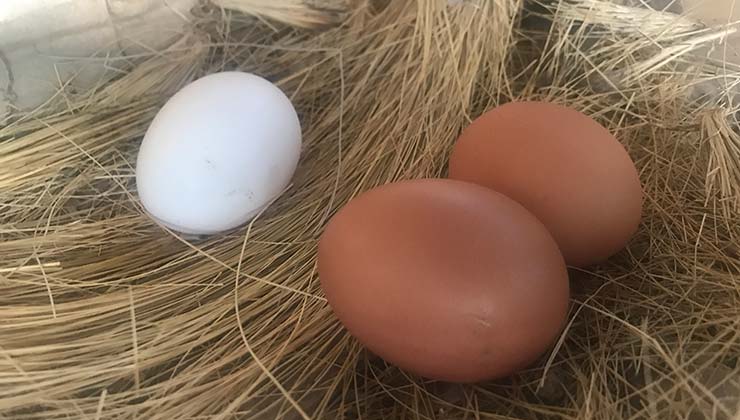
(726, 51)
(445, 279)
(217, 153)
(562, 166)
(712, 12)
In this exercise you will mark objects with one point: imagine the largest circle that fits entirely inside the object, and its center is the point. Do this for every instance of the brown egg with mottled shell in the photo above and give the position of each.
(445, 279)
(561, 165)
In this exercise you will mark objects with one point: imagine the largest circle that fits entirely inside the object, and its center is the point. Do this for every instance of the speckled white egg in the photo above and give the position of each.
(218, 152)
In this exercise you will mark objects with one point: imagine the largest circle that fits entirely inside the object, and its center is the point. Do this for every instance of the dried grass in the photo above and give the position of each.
(106, 315)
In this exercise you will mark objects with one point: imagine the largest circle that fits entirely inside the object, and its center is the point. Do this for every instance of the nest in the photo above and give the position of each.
(105, 314)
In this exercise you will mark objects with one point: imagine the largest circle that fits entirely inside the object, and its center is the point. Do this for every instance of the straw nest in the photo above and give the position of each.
(105, 314)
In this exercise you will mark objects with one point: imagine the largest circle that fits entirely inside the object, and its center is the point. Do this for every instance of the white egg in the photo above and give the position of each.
(218, 152)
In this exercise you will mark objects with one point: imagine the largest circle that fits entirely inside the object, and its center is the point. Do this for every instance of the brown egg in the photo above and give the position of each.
(445, 279)
(562, 166)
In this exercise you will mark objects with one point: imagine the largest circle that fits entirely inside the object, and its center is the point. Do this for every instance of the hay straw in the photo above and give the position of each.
(107, 315)
(300, 13)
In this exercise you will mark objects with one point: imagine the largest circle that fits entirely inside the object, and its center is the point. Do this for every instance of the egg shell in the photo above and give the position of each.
(561, 165)
(446, 279)
(218, 152)
(712, 12)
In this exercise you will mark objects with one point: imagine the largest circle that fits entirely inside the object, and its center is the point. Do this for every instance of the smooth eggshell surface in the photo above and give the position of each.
(446, 279)
(217, 153)
(562, 166)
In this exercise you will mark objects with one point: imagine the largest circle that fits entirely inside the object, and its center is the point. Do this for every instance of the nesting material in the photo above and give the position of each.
(106, 315)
